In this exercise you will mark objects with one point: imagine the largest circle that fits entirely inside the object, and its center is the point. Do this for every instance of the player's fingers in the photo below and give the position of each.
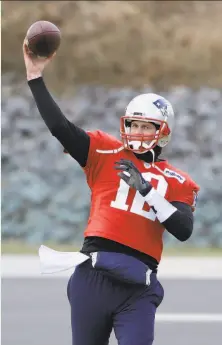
(121, 167)
(125, 161)
(25, 47)
(135, 174)
(24, 43)
(49, 58)
(54, 54)
(129, 164)
(27, 52)
(118, 162)
(124, 177)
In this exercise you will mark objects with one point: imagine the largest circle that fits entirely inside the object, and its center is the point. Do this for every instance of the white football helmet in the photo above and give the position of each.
(148, 107)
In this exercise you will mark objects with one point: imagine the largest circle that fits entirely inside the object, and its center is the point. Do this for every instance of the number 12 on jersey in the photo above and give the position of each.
(138, 201)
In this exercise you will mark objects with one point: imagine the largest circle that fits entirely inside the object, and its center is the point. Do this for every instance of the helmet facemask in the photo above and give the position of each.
(141, 143)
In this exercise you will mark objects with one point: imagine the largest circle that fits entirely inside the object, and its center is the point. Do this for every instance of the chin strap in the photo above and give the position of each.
(153, 163)
(153, 154)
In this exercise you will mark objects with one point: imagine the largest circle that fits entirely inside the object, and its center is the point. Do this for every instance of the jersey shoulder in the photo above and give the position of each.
(102, 141)
(179, 175)
(183, 187)
(101, 146)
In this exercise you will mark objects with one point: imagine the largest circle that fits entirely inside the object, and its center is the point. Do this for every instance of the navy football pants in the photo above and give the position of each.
(100, 303)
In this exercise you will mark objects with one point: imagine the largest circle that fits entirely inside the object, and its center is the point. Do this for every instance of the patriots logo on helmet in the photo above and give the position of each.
(162, 106)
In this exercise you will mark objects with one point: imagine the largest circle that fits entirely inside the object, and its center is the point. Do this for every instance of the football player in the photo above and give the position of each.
(135, 197)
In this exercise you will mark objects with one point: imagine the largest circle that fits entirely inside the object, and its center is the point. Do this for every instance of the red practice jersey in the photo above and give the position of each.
(118, 212)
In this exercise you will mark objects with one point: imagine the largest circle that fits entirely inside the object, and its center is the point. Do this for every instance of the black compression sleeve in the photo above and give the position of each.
(74, 139)
(180, 223)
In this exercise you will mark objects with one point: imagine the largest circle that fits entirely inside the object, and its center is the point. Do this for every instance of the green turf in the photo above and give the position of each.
(16, 247)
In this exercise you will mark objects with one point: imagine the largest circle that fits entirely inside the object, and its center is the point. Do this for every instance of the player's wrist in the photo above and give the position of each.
(146, 190)
(34, 75)
(148, 197)
(164, 209)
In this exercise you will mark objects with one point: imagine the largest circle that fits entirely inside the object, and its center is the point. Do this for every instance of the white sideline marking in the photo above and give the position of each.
(164, 317)
(27, 266)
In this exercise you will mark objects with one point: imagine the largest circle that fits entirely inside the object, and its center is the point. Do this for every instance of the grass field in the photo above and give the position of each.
(15, 247)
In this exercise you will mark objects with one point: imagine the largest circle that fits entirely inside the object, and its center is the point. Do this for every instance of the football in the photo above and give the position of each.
(43, 38)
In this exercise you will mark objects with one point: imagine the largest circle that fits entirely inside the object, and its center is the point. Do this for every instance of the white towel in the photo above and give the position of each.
(52, 261)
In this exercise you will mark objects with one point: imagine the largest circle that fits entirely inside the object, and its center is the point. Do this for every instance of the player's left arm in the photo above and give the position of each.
(176, 216)
(180, 222)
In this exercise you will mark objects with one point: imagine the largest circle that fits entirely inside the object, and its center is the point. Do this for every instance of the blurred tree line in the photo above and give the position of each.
(136, 43)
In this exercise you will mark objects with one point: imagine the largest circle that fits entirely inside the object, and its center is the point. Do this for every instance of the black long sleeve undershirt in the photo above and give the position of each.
(76, 141)
(180, 223)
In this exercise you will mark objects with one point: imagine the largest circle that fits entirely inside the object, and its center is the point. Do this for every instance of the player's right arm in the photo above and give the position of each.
(74, 139)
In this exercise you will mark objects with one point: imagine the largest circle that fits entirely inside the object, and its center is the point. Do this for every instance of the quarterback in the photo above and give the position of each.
(135, 197)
